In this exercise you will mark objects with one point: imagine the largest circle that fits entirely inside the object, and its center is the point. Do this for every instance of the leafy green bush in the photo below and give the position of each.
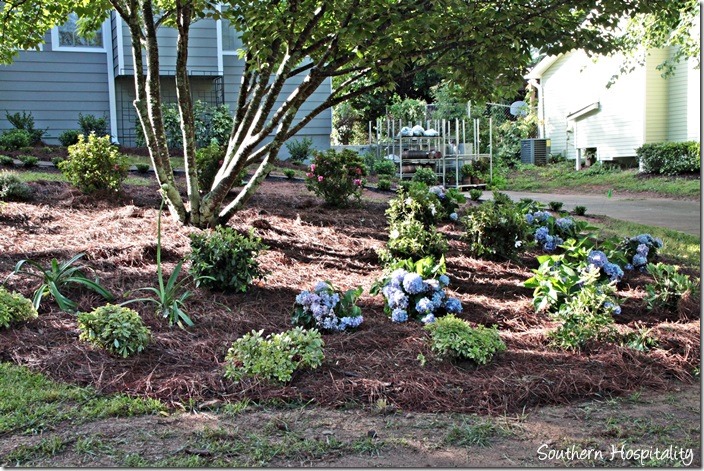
(299, 150)
(383, 184)
(336, 176)
(6, 161)
(496, 230)
(90, 124)
(555, 205)
(385, 167)
(15, 308)
(94, 164)
(28, 161)
(275, 357)
(475, 194)
(12, 188)
(454, 338)
(25, 122)
(670, 158)
(415, 201)
(208, 162)
(119, 330)
(13, 139)
(224, 259)
(289, 173)
(425, 175)
(587, 315)
(411, 239)
(668, 286)
(142, 168)
(580, 210)
(56, 277)
(69, 137)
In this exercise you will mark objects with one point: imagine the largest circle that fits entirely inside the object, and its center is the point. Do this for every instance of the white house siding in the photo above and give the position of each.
(684, 107)
(55, 86)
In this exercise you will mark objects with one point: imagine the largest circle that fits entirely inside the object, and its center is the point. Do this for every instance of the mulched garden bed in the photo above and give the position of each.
(310, 242)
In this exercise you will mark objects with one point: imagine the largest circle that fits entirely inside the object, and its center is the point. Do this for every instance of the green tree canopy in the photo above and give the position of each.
(483, 46)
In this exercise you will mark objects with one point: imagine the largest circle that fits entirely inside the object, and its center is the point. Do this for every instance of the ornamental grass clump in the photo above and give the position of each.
(454, 338)
(15, 308)
(276, 357)
(337, 176)
(416, 290)
(325, 308)
(119, 330)
(640, 250)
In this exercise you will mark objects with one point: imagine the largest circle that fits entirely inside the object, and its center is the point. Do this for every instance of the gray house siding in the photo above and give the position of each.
(55, 86)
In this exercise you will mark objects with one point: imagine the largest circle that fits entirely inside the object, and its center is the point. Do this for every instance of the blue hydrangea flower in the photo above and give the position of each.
(424, 305)
(541, 216)
(431, 284)
(549, 243)
(541, 234)
(628, 267)
(643, 250)
(437, 190)
(351, 322)
(396, 277)
(320, 287)
(597, 258)
(639, 260)
(453, 305)
(454, 216)
(444, 280)
(564, 224)
(413, 283)
(644, 239)
(613, 271)
(395, 297)
(614, 308)
(399, 315)
(657, 242)
(428, 319)
(437, 299)
(305, 298)
(529, 218)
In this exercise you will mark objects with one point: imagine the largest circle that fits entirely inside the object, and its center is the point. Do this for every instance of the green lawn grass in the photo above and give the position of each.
(562, 176)
(39, 175)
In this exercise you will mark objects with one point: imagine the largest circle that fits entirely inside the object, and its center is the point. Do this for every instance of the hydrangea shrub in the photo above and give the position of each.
(416, 290)
(550, 232)
(495, 230)
(668, 286)
(325, 308)
(640, 250)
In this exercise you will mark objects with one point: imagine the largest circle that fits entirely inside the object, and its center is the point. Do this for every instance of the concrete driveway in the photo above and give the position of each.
(680, 215)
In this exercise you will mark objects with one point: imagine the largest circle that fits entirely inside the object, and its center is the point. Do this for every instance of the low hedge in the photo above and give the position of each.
(670, 158)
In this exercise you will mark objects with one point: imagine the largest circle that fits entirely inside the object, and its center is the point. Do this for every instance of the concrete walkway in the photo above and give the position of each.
(680, 215)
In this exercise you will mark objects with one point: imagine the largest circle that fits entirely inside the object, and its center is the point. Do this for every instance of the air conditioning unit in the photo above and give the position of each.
(535, 151)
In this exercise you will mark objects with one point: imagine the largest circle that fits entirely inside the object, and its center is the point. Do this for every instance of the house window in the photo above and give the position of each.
(66, 37)
(230, 41)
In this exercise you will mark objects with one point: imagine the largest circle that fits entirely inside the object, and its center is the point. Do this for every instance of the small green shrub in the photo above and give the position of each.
(383, 184)
(411, 239)
(425, 175)
(94, 164)
(385, 167)
(225, 260)
(90, 124)
(289, 173)
(142, 168)
(415, 201)
(57, 160)
(668, 286)
(580, 210)
(208, 162)
(69, 137)
(299, 150)
(13, 139)
(15, 308)
(454, 338)
(670, 158)
(25, 122)
(119, 330)
(555, 205)
(12, 188)
(28, 161)
(495, 231)
(6, 161)
(475, 194)
(337, 176)
(586, 316)
(276, 357)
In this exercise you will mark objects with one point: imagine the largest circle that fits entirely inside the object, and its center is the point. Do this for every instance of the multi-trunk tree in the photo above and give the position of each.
(484, 46)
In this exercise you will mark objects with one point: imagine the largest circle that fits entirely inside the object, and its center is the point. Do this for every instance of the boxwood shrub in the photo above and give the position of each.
(670, 158)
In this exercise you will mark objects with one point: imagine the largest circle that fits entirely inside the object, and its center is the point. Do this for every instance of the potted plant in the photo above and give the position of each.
(480, 170)
(467, 172)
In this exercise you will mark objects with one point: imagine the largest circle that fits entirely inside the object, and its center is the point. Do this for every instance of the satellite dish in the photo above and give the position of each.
(519, 108)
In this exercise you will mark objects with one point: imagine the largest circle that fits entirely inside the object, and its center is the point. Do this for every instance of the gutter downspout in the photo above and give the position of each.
(541, 107)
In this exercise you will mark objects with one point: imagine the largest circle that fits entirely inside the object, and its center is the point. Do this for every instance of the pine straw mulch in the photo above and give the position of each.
(309, 242)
